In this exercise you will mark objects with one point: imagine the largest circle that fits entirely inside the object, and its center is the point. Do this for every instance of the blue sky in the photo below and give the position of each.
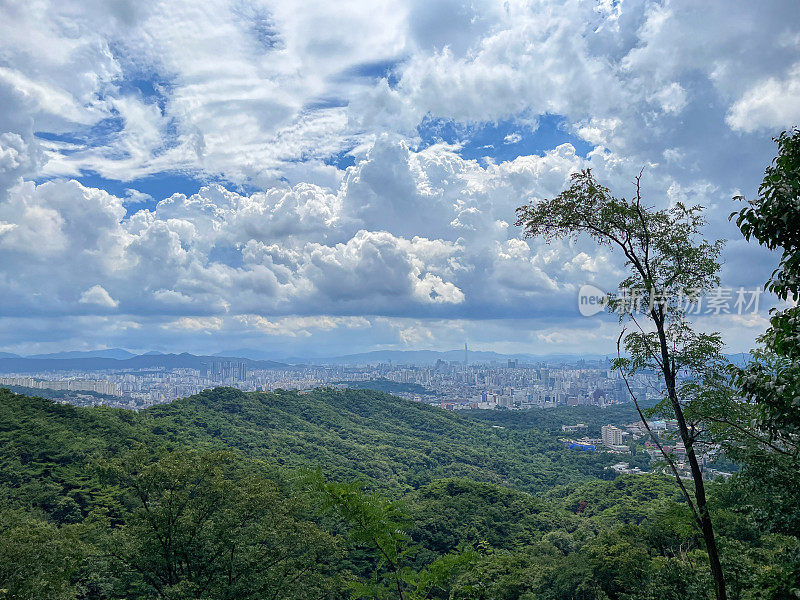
(502, 140)
(339, 177)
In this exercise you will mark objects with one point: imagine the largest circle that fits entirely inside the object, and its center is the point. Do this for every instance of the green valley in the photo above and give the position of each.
(338, 494)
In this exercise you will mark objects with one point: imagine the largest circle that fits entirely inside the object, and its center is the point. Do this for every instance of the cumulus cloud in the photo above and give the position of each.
(305, 249)
(671, 98)
(302, 248)
(133, 196)
(98, 296)
(770, 104)
(324, 210)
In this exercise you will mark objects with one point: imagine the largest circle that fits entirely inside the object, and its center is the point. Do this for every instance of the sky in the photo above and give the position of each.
(321, 178)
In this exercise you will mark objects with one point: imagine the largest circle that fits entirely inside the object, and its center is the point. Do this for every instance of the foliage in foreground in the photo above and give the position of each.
(105, 504)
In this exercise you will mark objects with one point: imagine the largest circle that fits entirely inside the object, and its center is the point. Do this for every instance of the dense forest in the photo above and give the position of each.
(347, 493)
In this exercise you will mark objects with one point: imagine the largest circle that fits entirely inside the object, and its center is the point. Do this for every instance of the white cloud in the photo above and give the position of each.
(261, 94)
(770, 104)
(599, 132)
(195, 324)
(98, 295)
(6, 227)
(133, 196)
(300, 248)
(671, 98)
(301, 326)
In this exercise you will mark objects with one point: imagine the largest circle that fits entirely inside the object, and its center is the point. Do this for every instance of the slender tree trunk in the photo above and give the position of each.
(706, 526)
(708, 532)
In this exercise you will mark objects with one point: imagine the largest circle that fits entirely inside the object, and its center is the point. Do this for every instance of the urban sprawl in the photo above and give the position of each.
(448, 385)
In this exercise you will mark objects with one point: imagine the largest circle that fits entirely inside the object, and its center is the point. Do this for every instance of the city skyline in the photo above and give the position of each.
(511, 384)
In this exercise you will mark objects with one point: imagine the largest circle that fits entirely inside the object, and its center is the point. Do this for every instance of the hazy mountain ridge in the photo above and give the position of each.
(431, 356)
(117, 358)
(409, 357)
(142, 361)
(115, 353)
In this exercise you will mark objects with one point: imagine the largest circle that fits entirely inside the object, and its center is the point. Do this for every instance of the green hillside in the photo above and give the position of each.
(354, 434)
(248, 496)
(393, 444)
(350, 434)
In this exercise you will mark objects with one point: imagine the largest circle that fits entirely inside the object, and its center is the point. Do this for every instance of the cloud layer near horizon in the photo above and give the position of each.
(310, 178)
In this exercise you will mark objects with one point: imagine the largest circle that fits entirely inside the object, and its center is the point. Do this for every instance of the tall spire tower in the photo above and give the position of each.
(466, 354)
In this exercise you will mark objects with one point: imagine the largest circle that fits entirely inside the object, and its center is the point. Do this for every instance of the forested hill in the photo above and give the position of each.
(201, 499)
(349, 434)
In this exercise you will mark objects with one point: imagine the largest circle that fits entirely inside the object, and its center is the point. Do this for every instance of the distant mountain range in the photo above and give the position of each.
(420, 357)
(417, 357)
(59, 362)
(117, 358)
(115, 353)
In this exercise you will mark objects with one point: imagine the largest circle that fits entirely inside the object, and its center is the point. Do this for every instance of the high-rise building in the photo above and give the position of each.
(612, 436)
(466, 354)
